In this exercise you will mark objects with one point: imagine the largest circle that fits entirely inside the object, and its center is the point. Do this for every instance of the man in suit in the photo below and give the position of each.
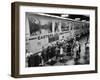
(38, 60)
(57, 52)
(44, 55)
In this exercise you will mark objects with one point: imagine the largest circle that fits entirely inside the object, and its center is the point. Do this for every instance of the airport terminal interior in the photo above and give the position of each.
(57, 39)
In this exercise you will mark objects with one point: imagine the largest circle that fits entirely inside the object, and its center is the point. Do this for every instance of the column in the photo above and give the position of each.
(53, 27)
(59, 26)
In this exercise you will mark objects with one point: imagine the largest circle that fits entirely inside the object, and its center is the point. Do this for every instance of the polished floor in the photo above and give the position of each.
(69, 60)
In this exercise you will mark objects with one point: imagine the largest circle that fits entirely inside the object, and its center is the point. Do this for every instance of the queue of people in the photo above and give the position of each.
(57, 50)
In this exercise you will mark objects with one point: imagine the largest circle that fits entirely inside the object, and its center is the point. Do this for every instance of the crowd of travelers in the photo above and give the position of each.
(56, 50)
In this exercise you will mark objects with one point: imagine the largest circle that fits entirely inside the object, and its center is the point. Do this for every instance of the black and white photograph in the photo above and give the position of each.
(53, 39)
